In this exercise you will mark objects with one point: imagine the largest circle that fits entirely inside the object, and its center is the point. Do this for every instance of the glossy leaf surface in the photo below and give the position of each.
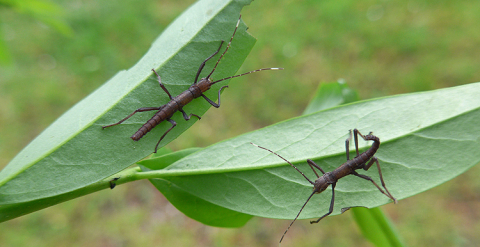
(74, 152)
(427, 138)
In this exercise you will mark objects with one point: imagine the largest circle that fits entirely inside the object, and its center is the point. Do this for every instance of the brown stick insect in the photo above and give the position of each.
(165, 112)
(347, 168)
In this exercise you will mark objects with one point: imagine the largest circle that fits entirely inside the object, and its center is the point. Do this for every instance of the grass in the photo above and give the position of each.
(379, 48)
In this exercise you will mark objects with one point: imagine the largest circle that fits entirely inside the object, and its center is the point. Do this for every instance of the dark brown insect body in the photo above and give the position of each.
(347, 168)
(175, 104)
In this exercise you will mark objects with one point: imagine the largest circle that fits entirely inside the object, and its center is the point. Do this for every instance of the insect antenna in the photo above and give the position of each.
(297, 216)
(221, 56)
(253, 71)
(300, 173)
(228, 46)
(285, 161)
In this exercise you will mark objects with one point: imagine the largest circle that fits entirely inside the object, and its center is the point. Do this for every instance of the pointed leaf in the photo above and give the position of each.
(75, 152)
(329, 95)
(162, 161)
(376, 227)
(373, 223)
(192, 206)
(427, 138)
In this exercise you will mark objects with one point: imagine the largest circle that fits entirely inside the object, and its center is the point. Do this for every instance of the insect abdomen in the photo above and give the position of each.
(161, 115)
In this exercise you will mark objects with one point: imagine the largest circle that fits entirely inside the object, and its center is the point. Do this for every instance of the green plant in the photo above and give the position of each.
(45, 11)
(323, 142)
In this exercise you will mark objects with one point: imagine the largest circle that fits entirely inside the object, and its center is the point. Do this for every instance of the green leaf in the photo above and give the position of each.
(199, 209)
(329, 95)
(427, 138)
(192, 206)
(376, 227)
(74, 152)
(161, 161)
(10, 211)
(45, 11)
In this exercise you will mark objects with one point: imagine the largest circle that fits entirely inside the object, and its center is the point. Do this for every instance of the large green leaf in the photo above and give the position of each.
(329, 95)
(74, 152)
(376, 227)
(192, 206)
(427, 138)
(373, 224)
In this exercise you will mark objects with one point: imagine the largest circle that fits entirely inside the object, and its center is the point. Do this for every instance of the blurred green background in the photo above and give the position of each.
(379, 48)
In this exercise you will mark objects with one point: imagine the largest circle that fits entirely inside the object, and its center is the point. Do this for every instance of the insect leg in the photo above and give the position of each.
(355, 135)
(187, 117)
(331, 206)
(137, 110)
(374, 159)
(356, 132)
(164, 134)
(347, 144)
(161, 84)
(376, 185)
(297, 216)
(312, 164)
(203, 64)
(211, 101)
(370, 163)
(343, 210)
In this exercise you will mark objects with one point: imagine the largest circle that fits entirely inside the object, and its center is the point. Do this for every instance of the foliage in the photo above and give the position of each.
(43, 10)
(420, 149)
(75, 153)
(419, 70)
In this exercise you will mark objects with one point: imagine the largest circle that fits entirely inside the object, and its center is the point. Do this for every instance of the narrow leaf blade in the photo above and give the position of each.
(376, 227)
(75, 152)
(192, 206)
(427, 138)
(330, 95)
